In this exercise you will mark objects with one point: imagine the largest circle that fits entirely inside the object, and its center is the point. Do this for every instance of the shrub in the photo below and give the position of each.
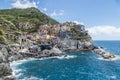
(1, 32)
(3, 39)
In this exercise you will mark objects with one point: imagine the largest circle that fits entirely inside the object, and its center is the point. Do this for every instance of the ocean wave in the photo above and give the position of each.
(19, 62)
(18, 72)
(66, 57)
(113, 77)
(32, 78)
(15, 63)
(20, 76)
(59, 57)
(117, 57)
(15, 70)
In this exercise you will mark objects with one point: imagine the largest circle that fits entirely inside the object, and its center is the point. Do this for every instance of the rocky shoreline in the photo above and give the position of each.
(7, 56)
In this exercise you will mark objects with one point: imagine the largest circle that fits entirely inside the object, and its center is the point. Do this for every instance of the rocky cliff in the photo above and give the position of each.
(5, 70)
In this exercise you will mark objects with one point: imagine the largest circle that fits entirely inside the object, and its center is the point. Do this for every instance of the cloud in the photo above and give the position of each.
(44, 9)
(54, 13)
(23, 4)
(77, 22)
(38, 2)
(105, 32)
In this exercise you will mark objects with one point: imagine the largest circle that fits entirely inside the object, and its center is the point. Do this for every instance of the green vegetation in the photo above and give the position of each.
(3, 39)
(1, 32)
(32, 15)
(76, 34)
(2, 36)
(10, 20)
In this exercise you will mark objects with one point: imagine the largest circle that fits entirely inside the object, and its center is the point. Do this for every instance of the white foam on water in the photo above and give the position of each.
(18, 72)
(113, 77)
(117, 57)
(15, 63)
(32, 78)
(66, 57)
(59, 57)
(19, 62)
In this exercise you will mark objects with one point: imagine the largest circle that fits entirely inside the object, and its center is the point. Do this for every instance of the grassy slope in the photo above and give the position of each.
(9, 19)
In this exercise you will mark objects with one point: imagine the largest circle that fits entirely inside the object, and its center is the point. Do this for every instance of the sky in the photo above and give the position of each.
(100, 17)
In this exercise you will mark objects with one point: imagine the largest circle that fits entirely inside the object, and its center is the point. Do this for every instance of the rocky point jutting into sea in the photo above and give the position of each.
(43, 38)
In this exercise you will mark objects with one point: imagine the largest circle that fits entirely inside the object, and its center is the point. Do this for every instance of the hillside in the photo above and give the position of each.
(22, 20)
(32, 15)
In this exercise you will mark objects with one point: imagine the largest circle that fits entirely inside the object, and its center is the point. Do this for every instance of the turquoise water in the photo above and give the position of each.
(76, 66)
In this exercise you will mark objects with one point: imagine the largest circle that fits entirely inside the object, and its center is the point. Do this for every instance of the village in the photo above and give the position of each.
(53, 40)
(63, 36)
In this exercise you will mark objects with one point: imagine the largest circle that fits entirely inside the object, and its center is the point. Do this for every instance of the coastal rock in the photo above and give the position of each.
(56, 50)
(69, 44)
(13, 56)
(9, 78)
(48, 53)
(104, 54)
(3, 55)
(5, 69)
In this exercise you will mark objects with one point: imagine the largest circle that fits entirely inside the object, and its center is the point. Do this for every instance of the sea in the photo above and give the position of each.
(82, 65)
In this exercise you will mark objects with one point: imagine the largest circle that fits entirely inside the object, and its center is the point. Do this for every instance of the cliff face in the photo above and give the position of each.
(66, 36)
(76, 37)
(5, 70)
